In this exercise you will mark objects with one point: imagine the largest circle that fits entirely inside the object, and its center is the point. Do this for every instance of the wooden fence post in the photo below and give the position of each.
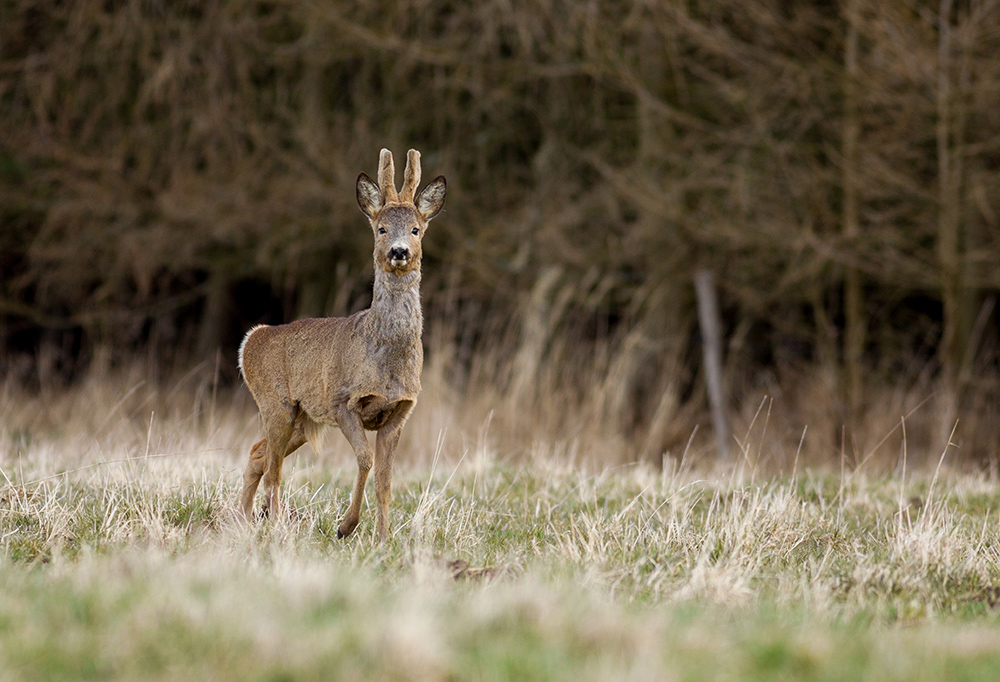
(711, 340)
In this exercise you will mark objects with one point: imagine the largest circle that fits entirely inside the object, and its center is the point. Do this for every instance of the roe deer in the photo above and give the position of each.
(358, 372)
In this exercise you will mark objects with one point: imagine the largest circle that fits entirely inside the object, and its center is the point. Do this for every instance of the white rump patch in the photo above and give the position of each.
(239, 356)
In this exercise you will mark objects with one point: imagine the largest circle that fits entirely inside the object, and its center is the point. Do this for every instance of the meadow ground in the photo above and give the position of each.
(121, 557)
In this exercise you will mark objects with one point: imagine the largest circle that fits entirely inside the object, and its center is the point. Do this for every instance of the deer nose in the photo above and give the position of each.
(399, 253)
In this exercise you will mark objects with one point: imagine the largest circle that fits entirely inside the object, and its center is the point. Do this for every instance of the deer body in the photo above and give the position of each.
(360, 372)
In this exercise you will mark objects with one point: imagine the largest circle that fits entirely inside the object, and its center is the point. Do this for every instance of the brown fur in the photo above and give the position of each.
(360, 372)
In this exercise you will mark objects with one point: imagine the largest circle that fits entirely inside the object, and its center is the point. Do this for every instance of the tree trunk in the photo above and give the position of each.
(954, 328)
(854, 319)
(214, 317)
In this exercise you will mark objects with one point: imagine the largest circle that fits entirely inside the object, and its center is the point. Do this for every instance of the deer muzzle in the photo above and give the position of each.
(399, 256)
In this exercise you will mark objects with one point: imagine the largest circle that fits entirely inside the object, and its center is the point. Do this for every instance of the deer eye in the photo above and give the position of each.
(415, 231)
(381, 230)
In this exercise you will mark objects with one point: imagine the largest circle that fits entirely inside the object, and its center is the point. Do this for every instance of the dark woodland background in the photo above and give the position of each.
(172, 173)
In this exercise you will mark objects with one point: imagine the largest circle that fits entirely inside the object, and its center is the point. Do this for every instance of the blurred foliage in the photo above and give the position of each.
(173, 172)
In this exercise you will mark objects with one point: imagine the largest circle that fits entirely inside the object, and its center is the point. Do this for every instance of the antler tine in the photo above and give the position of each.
(387, 176)
(411, 176)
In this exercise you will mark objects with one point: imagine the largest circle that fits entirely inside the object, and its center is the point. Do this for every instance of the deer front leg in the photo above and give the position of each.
(385, 451)
(352, 428)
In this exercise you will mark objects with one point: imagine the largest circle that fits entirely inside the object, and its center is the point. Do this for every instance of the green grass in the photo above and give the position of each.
(121, 557)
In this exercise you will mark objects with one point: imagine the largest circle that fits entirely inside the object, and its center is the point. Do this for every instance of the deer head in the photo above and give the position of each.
(399, 220)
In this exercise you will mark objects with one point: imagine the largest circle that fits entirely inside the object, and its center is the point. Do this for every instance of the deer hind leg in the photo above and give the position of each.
(252, 474)
(352, 428)
(277, 440)
(280, 426)
(385, 451)
(258, 464)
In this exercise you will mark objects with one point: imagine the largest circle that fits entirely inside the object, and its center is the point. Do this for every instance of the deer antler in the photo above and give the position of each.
(411, 176)
(387, 176)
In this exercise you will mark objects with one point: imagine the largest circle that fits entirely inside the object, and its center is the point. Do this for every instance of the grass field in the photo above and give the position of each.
(122, 558)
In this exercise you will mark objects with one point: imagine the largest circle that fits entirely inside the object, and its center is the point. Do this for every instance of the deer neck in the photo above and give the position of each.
(396, 313)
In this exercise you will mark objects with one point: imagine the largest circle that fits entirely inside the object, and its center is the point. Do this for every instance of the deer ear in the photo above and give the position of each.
(369, 196)
(431, 200)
